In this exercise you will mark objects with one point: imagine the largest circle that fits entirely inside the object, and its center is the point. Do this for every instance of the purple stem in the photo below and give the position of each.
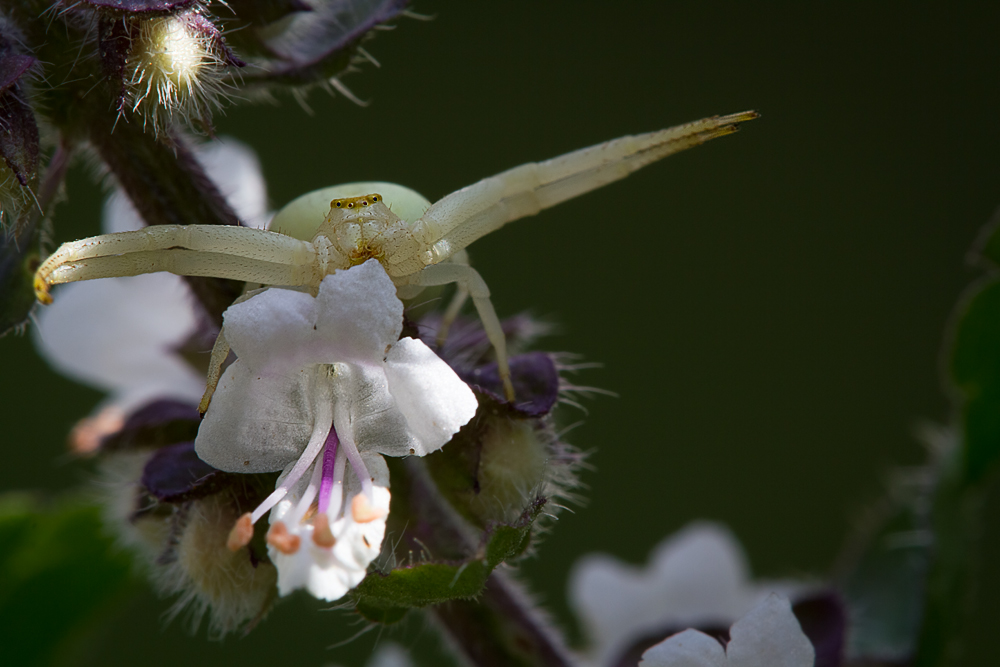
(329, 458)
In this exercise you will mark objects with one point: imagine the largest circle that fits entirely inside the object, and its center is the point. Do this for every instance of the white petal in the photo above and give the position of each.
(275, 330)
(686, 649)
(698, 575)
(120, 335)
(769, 636)
(365, 406)
(358, 310)
(390, 654)
(701, 575)
(434, 400)
(257, 422)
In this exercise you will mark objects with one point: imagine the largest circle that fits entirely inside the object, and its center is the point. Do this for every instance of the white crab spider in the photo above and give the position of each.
(419, 244)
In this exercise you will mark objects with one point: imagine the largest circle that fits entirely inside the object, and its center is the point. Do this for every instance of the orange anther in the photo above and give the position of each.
(241, 534)
(322, 535)
(279, 538)
(362, 510)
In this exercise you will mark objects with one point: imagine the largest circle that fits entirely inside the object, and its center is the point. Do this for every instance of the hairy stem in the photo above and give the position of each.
(500, 628)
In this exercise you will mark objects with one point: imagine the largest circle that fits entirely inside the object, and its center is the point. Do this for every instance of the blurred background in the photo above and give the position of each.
(769, 308)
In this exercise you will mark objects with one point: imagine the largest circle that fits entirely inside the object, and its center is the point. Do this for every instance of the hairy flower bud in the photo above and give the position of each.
(175, 512)
(509, 455)
(166, 64)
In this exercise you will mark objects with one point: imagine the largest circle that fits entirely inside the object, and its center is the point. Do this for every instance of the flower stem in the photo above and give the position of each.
(502, 626)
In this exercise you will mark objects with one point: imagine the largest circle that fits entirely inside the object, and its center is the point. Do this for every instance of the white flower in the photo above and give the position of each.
(123, 335)
(768, 636)
(319, 383)
(698, 576)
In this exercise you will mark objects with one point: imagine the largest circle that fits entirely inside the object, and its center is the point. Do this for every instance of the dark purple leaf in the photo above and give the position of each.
(163, 422)
(176, 474)
(324, 38)
(823, 618)
(261, 12)
(535, 380)
(18, 136)
(12, 67)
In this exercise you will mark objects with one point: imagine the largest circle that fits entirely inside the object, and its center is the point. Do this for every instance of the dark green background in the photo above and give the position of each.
(769, 308)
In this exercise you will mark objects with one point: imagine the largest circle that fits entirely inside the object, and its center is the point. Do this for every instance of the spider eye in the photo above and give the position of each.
(364, 202)
(339, 204)
(375, 198)
(351, 205)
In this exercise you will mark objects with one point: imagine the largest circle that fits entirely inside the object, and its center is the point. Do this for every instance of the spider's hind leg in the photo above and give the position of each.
(220, 351)
(469, 281)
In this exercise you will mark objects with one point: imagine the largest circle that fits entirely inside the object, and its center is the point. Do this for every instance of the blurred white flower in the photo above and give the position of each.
(767, 636)
(388, 654)
(696, 577)
(319, 383)
(124, 335)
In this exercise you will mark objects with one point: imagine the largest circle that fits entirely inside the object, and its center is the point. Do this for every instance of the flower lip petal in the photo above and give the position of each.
(358, 308)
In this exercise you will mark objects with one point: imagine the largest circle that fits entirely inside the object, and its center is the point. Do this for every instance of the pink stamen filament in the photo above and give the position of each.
(327, 469)
(351, 451)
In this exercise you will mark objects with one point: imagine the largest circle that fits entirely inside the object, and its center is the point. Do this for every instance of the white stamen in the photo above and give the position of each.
(337, 492)
(308, 496)
(351, 450)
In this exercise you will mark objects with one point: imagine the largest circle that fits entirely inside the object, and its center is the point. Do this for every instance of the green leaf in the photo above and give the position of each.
(385, 597)
(59, 572)
(975, 371)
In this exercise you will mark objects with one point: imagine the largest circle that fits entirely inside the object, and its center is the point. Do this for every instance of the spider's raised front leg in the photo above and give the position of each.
(240, 253)
(460, 218)
(469, 281)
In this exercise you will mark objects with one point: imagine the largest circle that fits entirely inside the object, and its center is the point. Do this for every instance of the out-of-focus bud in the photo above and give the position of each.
(176, 512)
(166, 56)
(509, 455)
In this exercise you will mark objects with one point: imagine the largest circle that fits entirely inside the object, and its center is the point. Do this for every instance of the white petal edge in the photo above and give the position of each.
(686, 649)
(769, 636)
(120, 335)
(433, 399)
